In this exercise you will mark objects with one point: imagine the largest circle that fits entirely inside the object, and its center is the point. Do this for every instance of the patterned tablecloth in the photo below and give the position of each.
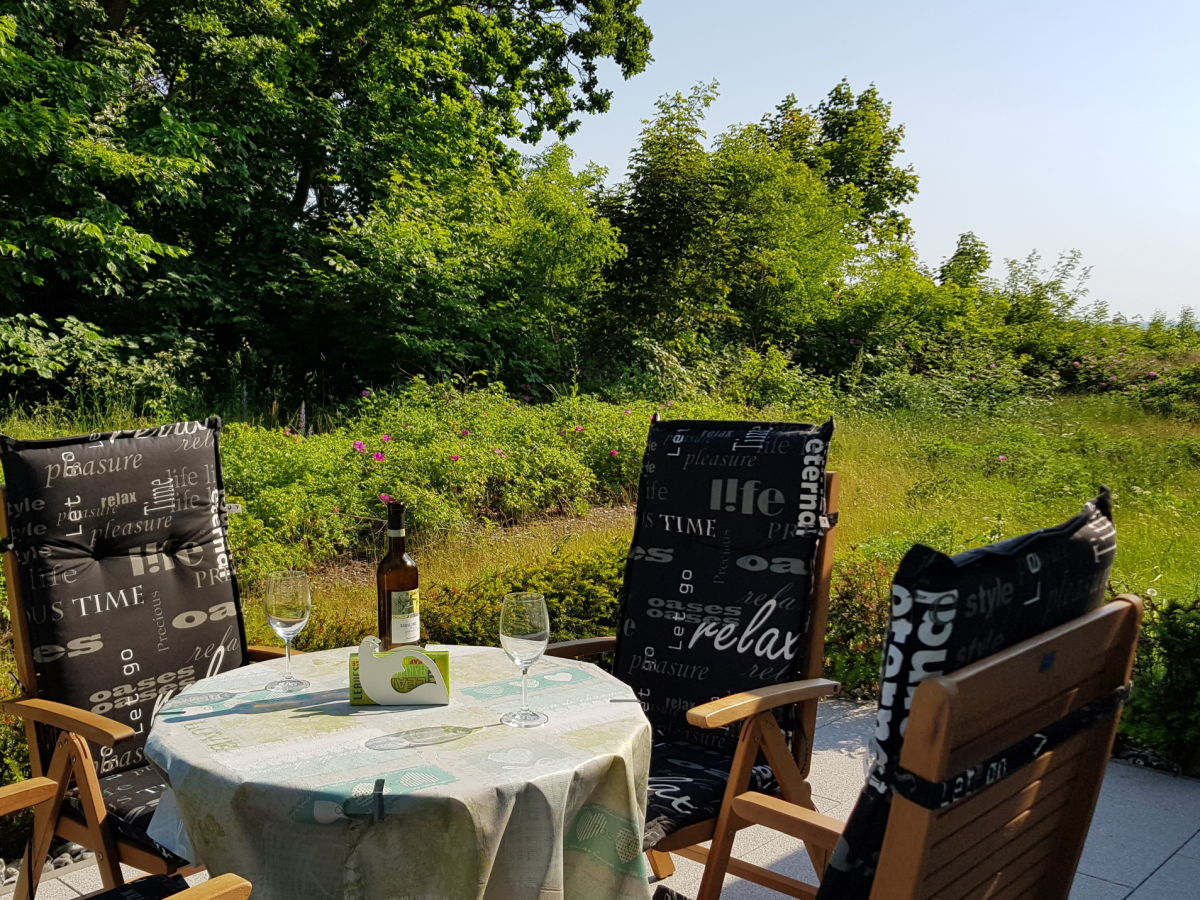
(280, 788)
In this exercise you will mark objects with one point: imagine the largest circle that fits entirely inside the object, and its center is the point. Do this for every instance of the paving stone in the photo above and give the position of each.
(1176, 880)
(1085, 887)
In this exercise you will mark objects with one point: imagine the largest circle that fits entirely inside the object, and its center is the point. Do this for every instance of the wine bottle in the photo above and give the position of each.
(397, 580)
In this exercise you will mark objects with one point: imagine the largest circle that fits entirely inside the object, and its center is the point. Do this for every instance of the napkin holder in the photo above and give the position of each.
(373, 676)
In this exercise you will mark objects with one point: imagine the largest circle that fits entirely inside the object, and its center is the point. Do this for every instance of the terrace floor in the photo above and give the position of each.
(1144, 842)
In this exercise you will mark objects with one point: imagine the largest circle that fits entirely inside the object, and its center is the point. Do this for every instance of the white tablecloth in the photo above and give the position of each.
(279, 787)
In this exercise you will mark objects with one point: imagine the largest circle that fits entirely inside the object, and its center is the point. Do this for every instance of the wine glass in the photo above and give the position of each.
(288, 604)
(524, 632)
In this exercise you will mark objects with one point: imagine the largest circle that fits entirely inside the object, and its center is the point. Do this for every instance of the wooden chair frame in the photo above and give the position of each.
(760, 732)
(45, 795)
(1021, 836)
(72, 762)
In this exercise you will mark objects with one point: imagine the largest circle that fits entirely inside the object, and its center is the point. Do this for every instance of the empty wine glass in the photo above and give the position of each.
(524, 632)
(288, 604)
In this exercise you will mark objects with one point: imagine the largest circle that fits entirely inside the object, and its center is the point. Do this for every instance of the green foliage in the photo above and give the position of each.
(15, 828)
(968, 267)
(849, 140)
(197, 169)
(859, 610)
(452, 276)
(733, 244)
(581, 593)
(73, 151)
(1175, 394)
(1162, 710)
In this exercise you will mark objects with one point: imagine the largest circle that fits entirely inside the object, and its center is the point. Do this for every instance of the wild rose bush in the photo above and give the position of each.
(455, 457)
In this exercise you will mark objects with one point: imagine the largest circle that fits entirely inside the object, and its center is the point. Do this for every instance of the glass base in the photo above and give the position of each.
(286, 685)
(524, 718)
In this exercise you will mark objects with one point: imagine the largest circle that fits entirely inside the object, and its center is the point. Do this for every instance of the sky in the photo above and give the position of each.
(1051, 126)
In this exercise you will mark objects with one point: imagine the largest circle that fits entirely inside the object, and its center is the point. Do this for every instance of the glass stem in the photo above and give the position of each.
(524, 695)
(287, 660)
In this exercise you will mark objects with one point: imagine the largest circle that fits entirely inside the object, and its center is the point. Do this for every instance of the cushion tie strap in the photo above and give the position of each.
(941, 794)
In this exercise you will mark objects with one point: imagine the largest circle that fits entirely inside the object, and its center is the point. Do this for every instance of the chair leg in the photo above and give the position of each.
(95, 813)
(661, 863)
(45, 817)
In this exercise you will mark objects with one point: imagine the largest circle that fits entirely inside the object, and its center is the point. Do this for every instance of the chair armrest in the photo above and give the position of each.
(96, 728)
(29, 792)
(736, 707)
(808, 825)
(261, 652)
(583, 647)
(223, 887)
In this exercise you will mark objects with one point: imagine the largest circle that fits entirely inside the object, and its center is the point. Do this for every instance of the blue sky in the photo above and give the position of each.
(1052, 126)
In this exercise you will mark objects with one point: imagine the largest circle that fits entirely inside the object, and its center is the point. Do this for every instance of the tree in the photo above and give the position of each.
(730, 244)
(181, 165)
(76, 185)
(969, 264)
(851, 142)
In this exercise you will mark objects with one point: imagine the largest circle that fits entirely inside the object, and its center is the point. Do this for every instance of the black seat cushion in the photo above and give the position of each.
(152, 887)
(687, 784)
(948, 612)
(131, 798)
(122, 552)
(718, 585)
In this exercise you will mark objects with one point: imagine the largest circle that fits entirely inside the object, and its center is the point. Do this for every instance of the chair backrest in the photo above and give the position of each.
(948, 613)
(120, 581)
(727, 582)
(1003, 727)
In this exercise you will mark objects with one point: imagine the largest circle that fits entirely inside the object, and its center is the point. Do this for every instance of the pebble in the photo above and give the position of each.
(66, 854)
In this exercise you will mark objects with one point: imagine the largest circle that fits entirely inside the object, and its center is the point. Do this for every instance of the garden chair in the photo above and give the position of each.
(122, 591)
(1002, 762)
(722, 625)
(985, 786)
(45, 795)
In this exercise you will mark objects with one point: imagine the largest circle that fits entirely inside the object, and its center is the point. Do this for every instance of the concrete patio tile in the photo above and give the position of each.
(50, 889)
(1192, 848)
(87, 879)
(838, 776)
(1085, 887)
(1178, 879)
(1174, 797)
(832, 710)
(1141, 819)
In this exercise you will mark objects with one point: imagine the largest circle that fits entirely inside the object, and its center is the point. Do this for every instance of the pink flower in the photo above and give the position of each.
(366, 393)
(337, 509)
(627, 411)
(579, 428)
(612, 452)
(670, 403)
(526, 398)
(1077, 364)
(360, 446)
(386, 437)
(498, 452)
(386, 498)
(1152, 374)
(465, 432)
(378, 457)
(456, 458)
(561, 433)
(1002, 458)
(855, 342)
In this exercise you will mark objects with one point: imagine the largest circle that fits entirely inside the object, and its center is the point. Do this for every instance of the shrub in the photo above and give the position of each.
(581, 594)
(1162, 711)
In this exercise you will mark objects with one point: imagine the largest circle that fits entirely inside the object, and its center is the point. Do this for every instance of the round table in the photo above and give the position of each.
(282, 788)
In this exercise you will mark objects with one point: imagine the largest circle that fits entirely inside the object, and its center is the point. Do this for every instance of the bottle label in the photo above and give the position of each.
(395, 532)
(406, 616)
